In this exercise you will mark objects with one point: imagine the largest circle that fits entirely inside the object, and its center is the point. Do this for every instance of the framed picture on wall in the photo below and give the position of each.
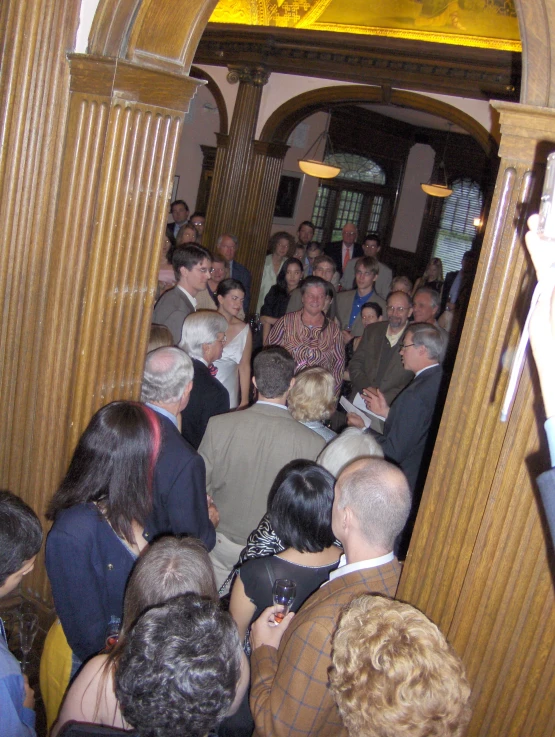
(288, 197)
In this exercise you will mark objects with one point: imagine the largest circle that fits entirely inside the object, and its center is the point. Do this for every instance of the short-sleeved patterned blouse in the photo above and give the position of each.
(311, 346)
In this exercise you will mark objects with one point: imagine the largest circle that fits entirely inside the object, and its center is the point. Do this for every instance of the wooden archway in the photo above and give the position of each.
(77, 281)
(284, 119)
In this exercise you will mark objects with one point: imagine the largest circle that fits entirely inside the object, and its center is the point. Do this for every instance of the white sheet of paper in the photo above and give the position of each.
(359, 403)
(348, 407)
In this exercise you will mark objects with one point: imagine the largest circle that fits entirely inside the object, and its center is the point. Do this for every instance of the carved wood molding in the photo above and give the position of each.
(431, 67)
(211, 85)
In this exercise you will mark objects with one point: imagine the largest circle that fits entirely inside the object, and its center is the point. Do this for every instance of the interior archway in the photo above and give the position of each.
(283, 120)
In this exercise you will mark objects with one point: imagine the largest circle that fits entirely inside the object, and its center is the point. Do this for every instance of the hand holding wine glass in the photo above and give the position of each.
(284, 592)
(28, 626)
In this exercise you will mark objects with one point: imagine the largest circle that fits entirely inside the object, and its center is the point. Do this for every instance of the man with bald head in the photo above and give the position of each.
(180, 505)
(290, 660)
(344, 250)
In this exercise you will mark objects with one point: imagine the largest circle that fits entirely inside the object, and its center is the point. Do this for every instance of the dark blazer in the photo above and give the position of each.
(209, 397)
(171, 310)
(242, 274)
(88, 567)
(409, 424)
(179, 490)
(364, 365)
(333, 249)
(447, 284)
(169, 233)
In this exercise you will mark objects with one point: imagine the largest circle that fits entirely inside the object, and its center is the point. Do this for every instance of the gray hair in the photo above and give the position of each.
(201, 328)
(378, 494)
(352, 444)
(167, 373)
(433, 339)
(434, 296)
(228, 235)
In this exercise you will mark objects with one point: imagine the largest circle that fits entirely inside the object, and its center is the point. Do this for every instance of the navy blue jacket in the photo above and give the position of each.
(179, 490)
(410, 427)
(88, 567)
(242, 274)
(209, 397)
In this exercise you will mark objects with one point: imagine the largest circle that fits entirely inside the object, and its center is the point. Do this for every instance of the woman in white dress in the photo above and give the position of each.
(281, 246)
(234, 367)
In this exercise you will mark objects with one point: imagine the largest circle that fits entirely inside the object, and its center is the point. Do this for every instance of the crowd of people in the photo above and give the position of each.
(302, 459)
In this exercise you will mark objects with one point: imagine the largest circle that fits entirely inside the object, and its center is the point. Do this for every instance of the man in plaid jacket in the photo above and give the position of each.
(289, 663)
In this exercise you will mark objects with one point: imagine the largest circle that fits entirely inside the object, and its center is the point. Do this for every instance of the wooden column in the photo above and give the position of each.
(123, 128)
(479, 563)
(234, 158)
(34, 84)
(258, 207)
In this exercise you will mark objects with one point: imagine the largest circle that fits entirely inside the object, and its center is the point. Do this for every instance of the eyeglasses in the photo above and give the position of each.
(397, 309)
(222, 340)
(407, 345)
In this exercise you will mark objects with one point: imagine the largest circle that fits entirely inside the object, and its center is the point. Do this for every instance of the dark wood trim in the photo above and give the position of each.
(285, 118)
(413, 65)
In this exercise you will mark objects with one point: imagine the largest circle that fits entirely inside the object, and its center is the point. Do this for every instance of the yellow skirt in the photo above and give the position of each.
(55, 671)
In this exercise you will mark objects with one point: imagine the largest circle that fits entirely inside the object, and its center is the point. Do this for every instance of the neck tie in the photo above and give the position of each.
(347, 257)
(213, 369)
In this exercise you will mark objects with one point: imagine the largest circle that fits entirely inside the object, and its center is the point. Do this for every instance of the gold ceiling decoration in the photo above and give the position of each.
(481, 23)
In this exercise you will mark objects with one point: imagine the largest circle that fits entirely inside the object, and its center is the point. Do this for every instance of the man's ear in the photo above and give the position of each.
(254, 383)
(292, 383)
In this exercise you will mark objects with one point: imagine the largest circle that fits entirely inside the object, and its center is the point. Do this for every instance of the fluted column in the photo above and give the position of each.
(258, 207)
(479, 563)
(116, 161)
(234, 158)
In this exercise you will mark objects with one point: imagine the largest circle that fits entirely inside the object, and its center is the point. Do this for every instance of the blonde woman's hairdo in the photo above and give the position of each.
(394, 674)
(312, 396)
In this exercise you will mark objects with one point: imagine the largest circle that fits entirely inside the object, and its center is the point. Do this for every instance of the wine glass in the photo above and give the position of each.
(28, 626)
(284, 594)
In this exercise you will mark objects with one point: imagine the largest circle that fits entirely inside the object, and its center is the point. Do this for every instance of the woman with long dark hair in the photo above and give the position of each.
(234, 366)
(99, 513)
(277, 299)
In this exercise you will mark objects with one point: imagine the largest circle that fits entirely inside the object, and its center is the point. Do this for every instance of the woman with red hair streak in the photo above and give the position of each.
(99, 513)
(394, 674)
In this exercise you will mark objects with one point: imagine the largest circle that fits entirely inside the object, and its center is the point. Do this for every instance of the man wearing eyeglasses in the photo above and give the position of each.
(413, 418)
(192, 265)
(376, 363)
(343, 251)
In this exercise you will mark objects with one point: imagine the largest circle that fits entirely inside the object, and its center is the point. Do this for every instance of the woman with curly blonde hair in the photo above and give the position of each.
(311, 400)
(394, 674)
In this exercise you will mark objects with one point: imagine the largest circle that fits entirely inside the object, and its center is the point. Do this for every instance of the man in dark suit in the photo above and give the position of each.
(409, 420)
(180, 213)
(191, 265)
(203, 339)
(343, 251)
(227, 245)
(413, 419)
(376, 362)
(289, 663)
(180, 504)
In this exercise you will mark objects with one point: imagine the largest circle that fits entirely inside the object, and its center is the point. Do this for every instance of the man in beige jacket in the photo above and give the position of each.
(243, 452)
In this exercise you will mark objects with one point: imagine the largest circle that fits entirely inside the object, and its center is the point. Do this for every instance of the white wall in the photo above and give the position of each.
(412, 200)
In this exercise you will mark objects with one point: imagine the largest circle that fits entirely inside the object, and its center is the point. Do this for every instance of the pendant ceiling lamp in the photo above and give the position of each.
(317, 167)
(439, 187)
